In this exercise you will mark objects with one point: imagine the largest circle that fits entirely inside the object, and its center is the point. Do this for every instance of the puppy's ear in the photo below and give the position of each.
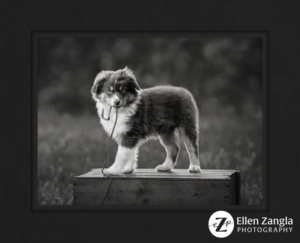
(129, 73)
(96, 89)
(98, 83)
(134, 84)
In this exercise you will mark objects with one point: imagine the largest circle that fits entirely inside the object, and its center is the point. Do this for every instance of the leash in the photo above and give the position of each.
(105, 154)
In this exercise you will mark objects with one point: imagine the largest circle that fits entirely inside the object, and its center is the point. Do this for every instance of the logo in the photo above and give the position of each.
(221, 224)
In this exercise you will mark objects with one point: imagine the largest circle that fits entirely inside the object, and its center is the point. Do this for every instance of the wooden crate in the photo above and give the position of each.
(149, 187)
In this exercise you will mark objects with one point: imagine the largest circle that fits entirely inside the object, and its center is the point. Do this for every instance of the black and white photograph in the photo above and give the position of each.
(149, 121)
(146, 121)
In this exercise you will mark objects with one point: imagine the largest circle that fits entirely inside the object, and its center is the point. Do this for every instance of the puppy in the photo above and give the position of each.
(164, 112)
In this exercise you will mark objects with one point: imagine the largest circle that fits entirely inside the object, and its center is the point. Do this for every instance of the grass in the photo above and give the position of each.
(72, 145)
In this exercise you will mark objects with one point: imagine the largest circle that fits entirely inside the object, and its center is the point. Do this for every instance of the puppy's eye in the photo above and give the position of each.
(109, 91)
(123, 91)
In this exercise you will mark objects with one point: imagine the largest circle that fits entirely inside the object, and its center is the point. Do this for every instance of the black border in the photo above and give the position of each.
(20, 18)
(264, 207)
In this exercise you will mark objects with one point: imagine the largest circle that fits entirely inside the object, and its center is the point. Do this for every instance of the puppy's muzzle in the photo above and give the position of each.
(115, 101)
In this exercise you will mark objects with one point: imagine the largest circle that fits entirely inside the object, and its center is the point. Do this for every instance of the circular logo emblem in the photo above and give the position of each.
(221, 224)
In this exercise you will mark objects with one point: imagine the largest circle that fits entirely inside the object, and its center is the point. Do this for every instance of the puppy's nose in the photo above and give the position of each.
(117, 102)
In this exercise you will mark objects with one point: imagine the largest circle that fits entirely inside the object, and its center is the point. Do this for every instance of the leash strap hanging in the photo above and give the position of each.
(105, 154)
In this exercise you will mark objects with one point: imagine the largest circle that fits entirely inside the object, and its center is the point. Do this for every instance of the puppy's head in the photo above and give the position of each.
(117, 89)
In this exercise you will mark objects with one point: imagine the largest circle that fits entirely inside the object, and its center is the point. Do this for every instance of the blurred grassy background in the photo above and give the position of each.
(224, 75)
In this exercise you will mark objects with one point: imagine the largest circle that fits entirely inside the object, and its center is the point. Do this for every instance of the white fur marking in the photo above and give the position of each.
(124, 162)
(124, 115)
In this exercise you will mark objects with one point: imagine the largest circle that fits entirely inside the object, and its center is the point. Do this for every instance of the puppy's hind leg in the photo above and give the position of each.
(190, 138)
(170, 142)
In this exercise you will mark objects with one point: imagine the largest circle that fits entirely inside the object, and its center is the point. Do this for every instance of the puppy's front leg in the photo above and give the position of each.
(124, 162)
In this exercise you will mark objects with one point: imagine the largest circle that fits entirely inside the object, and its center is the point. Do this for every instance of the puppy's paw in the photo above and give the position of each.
(127, 170)
(163, 168)
(112, 171)
(194, 169)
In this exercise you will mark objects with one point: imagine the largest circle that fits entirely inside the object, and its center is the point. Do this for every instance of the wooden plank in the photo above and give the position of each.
(149, 187)
(179, 173)
(183, 171)
(152, 192)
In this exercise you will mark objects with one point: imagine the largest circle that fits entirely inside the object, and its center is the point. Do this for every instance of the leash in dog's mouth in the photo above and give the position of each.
(102, 115)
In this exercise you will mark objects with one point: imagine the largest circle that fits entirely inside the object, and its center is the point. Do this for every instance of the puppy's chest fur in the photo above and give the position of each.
(123, 122)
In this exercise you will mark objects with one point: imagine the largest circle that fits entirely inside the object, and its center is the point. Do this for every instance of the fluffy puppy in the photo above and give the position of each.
(164, 112)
